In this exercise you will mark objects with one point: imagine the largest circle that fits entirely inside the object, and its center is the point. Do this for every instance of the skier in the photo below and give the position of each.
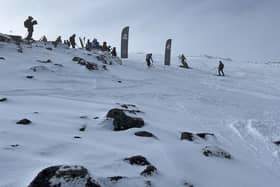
(72, 41)
(183, 61)
(221, 68)
(114, 52)
(149, 59)
(57, 41)
(29, 24)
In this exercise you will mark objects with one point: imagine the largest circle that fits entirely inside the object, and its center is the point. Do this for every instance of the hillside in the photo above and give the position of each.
(241, 111)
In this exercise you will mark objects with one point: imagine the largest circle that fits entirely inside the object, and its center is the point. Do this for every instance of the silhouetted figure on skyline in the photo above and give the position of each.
(29, 24)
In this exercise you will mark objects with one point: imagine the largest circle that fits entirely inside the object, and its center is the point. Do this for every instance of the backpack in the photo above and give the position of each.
(26, 24)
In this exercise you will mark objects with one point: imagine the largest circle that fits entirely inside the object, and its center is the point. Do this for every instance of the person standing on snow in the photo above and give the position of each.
(149, 59)
(183, 61)
(114, 52)
(29, 24)
(73, 41)
(221, 68)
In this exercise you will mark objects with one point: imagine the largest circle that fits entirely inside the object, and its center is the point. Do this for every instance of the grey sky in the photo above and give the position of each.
(242, 29)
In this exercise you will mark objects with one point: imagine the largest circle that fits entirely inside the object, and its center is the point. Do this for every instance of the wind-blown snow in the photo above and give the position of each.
(241, 109)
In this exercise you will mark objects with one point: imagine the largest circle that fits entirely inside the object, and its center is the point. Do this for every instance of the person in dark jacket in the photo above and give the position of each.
(149, 59)
(29, 24)
(114, 51)
(73, 41)
(184, 62)
(221, 68)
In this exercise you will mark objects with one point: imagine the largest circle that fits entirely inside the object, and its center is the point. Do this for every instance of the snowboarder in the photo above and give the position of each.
(183, 61)
(29, 24)
(72, 41)
(149, 59)
(114, 52)
(221, 68)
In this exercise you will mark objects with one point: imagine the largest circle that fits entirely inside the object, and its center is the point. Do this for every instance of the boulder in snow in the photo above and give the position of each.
(277, 142)
(186, 184)
(149, 171)
(121, 121)
(45, 61)
(24, 121)
(214, 151)
(64, 176)
(145, 134)
(137, 160)
(192, 136)
(3, 99)
(2, 58)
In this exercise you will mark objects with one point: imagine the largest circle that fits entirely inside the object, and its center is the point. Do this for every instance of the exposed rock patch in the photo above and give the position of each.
(3, 99)
(137, 160)
(121, 121)
(64, 176)
(24, 121)
(145, 134)
(149, 171)
(214, 151)
(192, 136)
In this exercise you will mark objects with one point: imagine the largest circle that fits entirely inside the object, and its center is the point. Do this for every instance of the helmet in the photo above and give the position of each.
(30, 17)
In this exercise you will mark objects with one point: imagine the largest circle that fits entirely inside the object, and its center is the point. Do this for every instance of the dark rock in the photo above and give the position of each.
(49, 48)
(205, 135)
(35, 112)
(77, 137)
(119, 81)
(3, 99)
(20, 50)
(24, 122)
(144, 134)
(57, 176)
(40, 68)
(59, 65)
(277, 142)
(45, 61)
(121, 121)
(83, 117)
(83, 128)
(214, 151)
(116, 178)
(137, 160)
(186, 184)
(29, 77)
(191, 136)
(14, 145)
(96, 118)
(149, 171)
(2, 58)
(187, 136)
(104, 67)
(76, 59)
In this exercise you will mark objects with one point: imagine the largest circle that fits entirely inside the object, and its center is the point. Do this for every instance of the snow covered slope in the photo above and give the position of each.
(241, 109)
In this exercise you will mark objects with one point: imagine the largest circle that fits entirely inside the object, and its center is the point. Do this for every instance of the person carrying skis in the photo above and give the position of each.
(72, 41)
(149, 59)
(221, 68)
(29, 24)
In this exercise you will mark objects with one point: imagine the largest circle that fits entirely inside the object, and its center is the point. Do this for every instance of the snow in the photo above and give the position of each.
(242, 109)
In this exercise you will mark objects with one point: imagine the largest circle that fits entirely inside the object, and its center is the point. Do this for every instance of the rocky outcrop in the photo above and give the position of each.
(121, 121)
(24, 121)
(214, 151)
(149, 171)
(145, 134)
(64, 176)
(137, 160)
(3, 99)
(83, 62)
(192, 136)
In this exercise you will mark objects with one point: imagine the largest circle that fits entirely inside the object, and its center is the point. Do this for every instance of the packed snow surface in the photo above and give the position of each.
(242, 109)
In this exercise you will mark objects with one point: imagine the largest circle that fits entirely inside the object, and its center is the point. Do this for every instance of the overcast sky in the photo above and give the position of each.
(241, 29)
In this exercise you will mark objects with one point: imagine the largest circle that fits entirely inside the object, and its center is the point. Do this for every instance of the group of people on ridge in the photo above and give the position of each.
(30, 22)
